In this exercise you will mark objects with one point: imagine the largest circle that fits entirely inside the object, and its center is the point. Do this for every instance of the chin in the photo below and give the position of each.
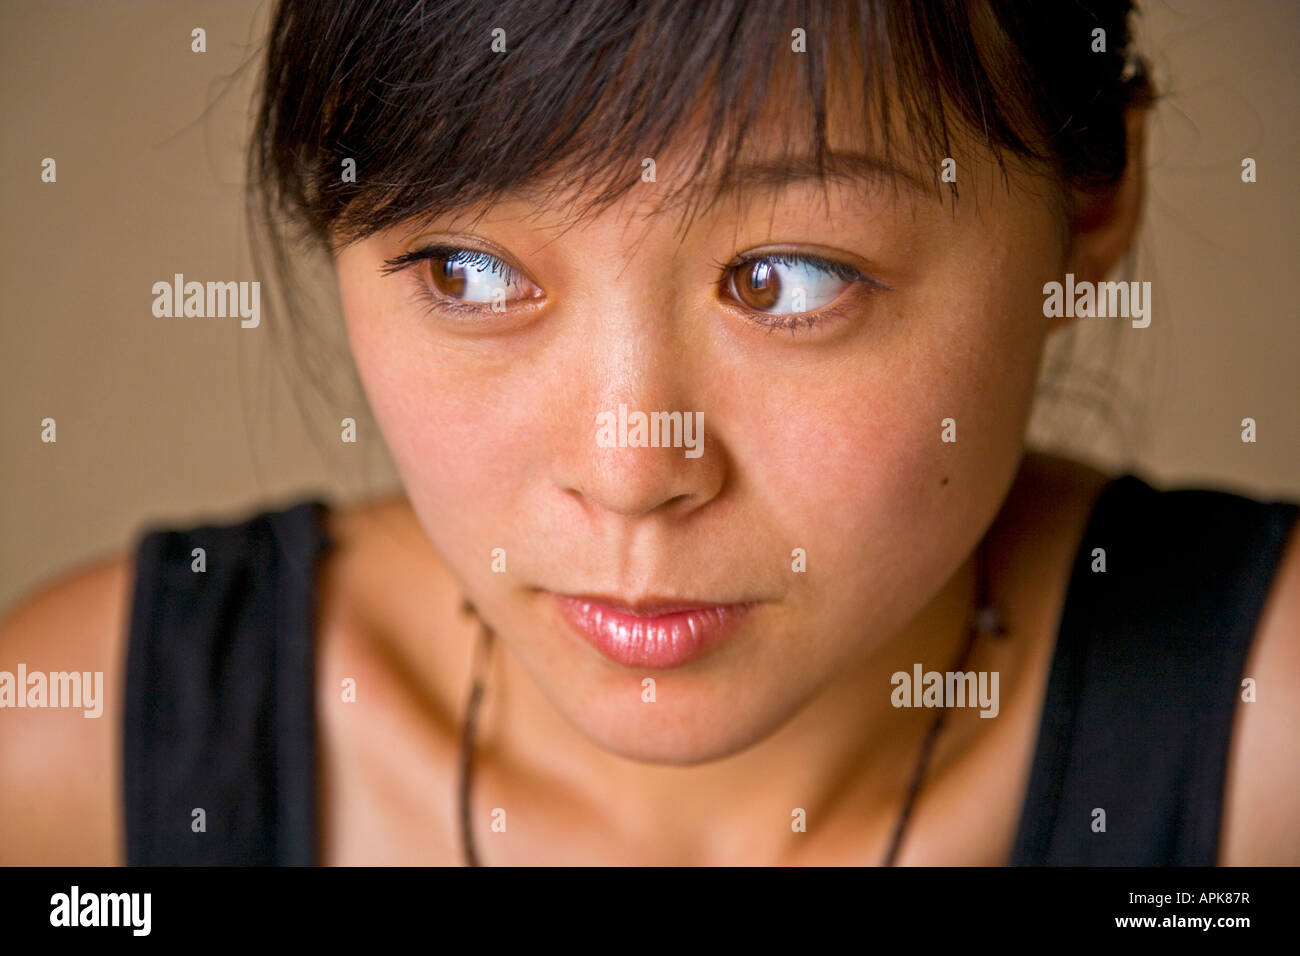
(685, 725)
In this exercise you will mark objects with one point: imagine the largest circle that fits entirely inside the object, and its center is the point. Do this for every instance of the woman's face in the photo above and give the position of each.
(824, 441)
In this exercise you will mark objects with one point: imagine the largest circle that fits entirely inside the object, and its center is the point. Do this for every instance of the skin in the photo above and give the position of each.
(827, 440)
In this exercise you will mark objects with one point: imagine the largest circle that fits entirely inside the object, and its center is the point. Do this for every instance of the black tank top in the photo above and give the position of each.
(219, 713)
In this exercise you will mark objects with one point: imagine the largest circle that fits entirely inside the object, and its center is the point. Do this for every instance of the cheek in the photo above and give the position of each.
(851, 461)
(454, 437)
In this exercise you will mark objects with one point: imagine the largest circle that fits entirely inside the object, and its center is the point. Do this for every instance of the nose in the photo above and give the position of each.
(644, 447)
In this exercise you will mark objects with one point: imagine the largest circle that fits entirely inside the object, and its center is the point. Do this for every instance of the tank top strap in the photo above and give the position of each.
(1164, 598)
(219, 756)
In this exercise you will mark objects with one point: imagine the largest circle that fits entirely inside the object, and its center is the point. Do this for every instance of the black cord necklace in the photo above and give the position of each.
(984, 620)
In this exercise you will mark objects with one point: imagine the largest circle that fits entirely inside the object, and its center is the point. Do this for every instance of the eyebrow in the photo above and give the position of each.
(773, 174)
(848, 167)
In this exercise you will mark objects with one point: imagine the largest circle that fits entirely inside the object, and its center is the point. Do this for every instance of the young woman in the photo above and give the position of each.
(704, 338)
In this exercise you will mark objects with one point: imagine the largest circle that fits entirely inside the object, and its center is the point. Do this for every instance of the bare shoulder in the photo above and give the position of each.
(60, 765)
(1261, 825)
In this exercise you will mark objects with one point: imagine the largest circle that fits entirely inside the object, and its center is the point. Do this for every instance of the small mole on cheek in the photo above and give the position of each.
(945, 480)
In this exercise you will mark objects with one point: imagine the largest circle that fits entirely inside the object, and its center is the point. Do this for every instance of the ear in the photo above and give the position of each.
(1103, 224)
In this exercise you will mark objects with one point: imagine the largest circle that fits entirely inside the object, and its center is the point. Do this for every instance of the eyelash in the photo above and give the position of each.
(791, 323)
(458, 254)
(807, 320)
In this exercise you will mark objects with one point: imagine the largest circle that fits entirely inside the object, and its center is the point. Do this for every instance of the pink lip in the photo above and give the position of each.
(650, 633)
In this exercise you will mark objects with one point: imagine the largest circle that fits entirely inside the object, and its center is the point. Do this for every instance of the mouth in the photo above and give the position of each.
(652, 632)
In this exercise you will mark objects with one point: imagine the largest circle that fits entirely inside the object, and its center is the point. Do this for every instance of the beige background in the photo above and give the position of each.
(172, 420)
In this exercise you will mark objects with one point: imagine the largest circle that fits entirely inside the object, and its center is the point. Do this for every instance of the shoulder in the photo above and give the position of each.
(1261, 825)
(1224, 566)
(1218, 571)
(1234, 559)
(1202, 591)
(61, 766)
(60, 800)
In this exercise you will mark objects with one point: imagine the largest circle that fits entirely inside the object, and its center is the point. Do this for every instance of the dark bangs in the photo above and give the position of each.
(436, 119)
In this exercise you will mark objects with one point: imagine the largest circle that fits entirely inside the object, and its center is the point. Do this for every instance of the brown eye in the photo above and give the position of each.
(448, 276)
(757, 285)
(457, 277)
